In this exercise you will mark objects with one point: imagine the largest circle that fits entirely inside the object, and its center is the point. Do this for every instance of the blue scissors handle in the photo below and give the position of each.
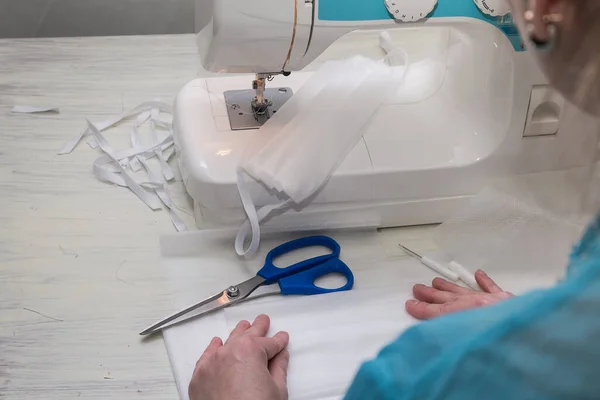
(273, 274)
(304, 282)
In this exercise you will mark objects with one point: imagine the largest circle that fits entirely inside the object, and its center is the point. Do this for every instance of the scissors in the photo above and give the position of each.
(296, 279)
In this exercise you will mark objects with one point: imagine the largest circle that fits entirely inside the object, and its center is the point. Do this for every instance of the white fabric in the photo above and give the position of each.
(129, 181)
(254, 218)
(330, 335)
(114, 164)
(528, 223)
(298, 149)
(161, 192)
(34, 110)
(102, 126)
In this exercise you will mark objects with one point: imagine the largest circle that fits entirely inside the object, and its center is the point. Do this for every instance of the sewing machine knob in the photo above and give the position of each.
(494, 8)
(410, 10)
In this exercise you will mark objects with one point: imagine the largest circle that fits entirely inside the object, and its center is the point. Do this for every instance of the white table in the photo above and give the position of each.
(82, 253)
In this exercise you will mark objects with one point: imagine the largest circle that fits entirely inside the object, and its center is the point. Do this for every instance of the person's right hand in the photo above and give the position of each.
(444, 297)
(249, 366)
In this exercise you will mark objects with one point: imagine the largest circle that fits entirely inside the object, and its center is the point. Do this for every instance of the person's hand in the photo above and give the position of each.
(249, 366)
(444, 297)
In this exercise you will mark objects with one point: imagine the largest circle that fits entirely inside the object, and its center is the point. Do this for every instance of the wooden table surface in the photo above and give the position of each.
(79, 259)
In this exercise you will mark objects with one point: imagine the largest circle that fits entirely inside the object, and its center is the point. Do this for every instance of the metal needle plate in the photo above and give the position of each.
(239, 106)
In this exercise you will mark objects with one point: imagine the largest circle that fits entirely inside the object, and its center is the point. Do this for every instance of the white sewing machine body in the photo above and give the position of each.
(473, 106)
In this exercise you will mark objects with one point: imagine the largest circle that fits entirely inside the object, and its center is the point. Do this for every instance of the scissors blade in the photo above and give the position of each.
(213, 303)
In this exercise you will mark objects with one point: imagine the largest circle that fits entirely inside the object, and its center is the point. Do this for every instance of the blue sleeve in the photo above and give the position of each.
(542, 345)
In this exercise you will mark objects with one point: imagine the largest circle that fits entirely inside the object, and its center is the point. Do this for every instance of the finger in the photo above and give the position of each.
(432, 295)
(239, 329)
(442, 284)
(212, 347)
(486, 283)
(278, 368)
(275, 345)
(260, 326)
(422, 310)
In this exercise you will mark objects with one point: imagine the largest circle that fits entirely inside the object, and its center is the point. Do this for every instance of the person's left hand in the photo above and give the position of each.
(249, 366)
(444, 297)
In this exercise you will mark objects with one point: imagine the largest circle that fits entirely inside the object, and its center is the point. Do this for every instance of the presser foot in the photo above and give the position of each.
(245, 113)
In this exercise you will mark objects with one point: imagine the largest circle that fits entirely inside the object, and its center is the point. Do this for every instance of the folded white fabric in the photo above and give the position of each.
(299, 148)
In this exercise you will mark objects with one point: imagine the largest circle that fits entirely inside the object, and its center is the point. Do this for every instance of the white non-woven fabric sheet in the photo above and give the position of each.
(527, 224)
(330, 335)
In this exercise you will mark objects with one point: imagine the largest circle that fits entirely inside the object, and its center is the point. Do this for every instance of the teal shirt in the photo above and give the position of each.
(542, 345)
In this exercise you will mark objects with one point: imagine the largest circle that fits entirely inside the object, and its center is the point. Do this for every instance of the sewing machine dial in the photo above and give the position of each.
(494, 8)
(410, 10)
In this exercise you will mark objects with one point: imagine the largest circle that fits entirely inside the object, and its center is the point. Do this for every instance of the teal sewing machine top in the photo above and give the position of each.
(375, 10)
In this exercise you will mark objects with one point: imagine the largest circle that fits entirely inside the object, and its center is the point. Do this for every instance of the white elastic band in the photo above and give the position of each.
(151, 201)
(111, 166)
(161, 192)
(254, 218)
(169, 152)
(396, 56)
(139, 160)
(164, 165)
(105, 169)
(102, 126)
(385, 41)
(92, 143)
(134, 163)
(166, 168)
(34, 110)
(139, 121)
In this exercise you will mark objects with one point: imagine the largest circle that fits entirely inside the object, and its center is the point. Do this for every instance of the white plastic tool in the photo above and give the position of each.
(464, 275)
(434, 265)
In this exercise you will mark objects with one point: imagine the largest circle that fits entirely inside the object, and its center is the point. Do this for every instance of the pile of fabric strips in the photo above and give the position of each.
(120, 167)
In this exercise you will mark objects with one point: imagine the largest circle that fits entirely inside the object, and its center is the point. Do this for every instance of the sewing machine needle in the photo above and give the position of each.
(412, 253)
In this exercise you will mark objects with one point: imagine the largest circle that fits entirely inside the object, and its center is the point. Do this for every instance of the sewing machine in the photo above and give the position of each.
(473, 106)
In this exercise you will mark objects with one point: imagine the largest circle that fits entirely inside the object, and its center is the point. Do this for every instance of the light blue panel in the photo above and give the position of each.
(374, 10)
